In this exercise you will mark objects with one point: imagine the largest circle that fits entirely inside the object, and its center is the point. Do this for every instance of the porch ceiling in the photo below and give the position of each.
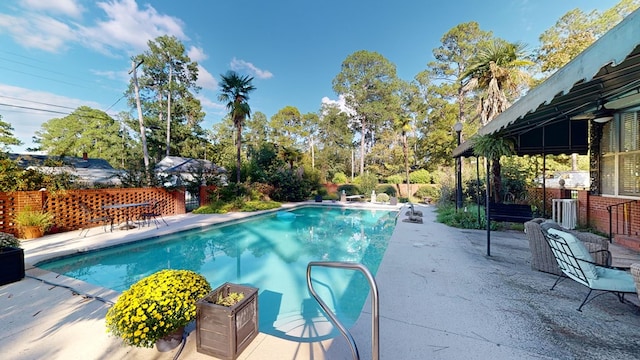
(540, 122)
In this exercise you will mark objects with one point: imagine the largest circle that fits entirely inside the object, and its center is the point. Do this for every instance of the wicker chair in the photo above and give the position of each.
(542, 258)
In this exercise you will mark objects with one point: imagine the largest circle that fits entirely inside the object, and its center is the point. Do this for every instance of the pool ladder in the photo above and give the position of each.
(375, 316)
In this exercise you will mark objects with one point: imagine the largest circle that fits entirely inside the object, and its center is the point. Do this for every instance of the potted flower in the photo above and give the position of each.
(11, 259)
(156, 309)
(32, 223)
(227, 320)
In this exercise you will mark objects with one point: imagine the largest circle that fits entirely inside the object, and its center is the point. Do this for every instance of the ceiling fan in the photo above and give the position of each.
(603, 114)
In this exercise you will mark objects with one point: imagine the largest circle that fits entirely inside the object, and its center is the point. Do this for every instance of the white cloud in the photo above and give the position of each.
(63, 7)
(38, 31)
(196, 54)
(124, 26)
(27, 110)
(341, 103)
(239, 65)
(122, 75)
(208, 103)
(129, 27)
(205, 79)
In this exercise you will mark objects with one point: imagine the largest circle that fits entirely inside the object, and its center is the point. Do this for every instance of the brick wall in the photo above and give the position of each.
(625, 219)
(593, 213)
(204, 194)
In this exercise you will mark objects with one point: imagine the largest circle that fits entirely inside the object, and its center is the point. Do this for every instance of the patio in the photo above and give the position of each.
(441, 297)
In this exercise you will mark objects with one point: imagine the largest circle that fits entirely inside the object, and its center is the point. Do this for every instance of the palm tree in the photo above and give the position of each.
(234, 91)
(493, 146)
(497, 71)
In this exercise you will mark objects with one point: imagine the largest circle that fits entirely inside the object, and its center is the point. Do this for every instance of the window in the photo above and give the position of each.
(620, 155)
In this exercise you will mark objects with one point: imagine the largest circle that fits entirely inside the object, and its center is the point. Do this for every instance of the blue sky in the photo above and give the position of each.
(77, 52)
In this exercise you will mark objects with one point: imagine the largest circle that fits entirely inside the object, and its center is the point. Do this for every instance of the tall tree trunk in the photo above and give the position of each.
(143, 135)
(313, 156)
(362, 133)
(238, 149)
(169, 114)
(405, 150)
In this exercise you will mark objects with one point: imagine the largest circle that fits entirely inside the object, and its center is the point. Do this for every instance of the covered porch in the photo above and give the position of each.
(591, 106)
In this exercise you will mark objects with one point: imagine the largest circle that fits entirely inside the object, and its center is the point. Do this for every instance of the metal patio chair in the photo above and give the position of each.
(153, 212)
(94, 216)
(576, 263)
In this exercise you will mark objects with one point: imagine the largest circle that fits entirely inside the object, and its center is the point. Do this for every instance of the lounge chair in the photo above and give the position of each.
(576, 263)
(354, 197)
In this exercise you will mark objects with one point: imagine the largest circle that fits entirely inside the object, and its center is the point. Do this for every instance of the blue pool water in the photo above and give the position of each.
(269, 252)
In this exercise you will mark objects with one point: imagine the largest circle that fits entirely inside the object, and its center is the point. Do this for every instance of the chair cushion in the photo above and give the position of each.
(579, 251)
(550, 224)
(614, 280)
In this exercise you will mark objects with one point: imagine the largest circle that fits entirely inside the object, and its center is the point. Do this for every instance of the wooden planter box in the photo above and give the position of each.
(11, 265)
(225, 331)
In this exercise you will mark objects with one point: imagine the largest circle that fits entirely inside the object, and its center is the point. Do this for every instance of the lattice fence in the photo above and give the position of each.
(73, 209)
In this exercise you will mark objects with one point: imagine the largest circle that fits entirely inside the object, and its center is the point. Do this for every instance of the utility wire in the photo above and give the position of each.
(78, 112)
(32, 108)
(44, 77)
(39, 68)
(112, 105)
(36, 102)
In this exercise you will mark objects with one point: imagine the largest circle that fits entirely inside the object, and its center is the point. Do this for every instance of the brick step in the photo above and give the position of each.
(629, 241)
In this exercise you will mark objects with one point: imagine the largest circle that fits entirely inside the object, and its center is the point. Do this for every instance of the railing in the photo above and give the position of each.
(375, 316)
(626, 218)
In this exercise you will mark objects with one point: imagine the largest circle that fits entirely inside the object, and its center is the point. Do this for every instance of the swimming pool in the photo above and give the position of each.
(270, 252)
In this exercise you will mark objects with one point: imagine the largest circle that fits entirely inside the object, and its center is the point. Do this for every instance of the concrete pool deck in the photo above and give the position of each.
(441, 297)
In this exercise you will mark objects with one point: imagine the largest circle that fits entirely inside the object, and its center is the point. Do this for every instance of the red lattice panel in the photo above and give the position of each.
(69, 214)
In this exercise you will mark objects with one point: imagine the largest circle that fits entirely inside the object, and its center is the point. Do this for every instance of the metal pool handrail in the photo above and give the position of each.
(375, 316)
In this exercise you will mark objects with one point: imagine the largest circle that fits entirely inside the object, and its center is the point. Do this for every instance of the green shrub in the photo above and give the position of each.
(230, 192)
(395, 179)
(216, 207)
(368, 183)
(289, 186)
(421, 176)
(261, 191)
(387, 189)
(322, 191)
(339, 178)
(349, 189)
(438, 177)
(428, 191)
(259, 205)
(462, 219)
(383, 198)
(221, 207)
